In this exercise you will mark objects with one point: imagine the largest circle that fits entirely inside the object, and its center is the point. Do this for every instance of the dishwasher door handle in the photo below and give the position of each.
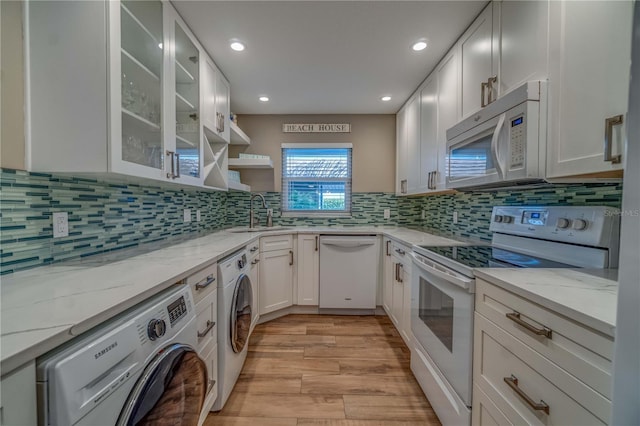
(345, 242)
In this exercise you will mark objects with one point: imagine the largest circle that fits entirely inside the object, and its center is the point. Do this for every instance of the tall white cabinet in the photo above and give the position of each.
(308, 269)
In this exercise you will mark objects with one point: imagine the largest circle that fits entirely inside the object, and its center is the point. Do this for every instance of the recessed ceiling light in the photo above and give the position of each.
(385, 98)
(264, 98)
(160, 45)
(237, 45)
(419, 45)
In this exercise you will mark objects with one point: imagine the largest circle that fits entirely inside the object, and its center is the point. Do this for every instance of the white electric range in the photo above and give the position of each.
(443, 287)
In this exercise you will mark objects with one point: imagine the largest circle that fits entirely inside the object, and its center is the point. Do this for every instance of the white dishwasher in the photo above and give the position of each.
(348, 271)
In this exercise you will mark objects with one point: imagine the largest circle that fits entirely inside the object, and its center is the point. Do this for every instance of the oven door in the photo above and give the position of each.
(442, 320)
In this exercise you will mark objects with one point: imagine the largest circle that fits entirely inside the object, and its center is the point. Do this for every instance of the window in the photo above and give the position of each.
(316, 179)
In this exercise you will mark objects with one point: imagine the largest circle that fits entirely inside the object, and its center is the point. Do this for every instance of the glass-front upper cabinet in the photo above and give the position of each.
(142, 57)
(186, 65)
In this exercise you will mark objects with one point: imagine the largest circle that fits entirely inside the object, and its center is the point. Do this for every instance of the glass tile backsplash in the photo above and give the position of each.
(106, 215)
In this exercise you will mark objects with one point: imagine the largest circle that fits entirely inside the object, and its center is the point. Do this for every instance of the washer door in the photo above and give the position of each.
(170, 391)
(241, 313)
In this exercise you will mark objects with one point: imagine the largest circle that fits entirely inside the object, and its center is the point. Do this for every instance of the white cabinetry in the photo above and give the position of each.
(18, 405)
(254, 276)
(388, 276)
(428, 130)
(132, 106)
(308, 277)
(402, 169)
(588, 86)
(478, 55)
(448, 99)
(205, 295)
(401, 291)
(533, 366)
(413, 145)
(276, 273)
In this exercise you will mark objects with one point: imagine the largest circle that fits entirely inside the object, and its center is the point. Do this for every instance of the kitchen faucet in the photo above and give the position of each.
(264, 204)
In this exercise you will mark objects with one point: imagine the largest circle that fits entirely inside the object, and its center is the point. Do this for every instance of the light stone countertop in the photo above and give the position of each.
(588, 297)
(45, 307)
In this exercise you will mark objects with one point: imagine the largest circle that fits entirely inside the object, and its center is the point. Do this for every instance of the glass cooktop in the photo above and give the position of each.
(492, 257)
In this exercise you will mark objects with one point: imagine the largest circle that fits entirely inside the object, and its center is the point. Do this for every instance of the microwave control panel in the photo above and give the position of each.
(517, 137)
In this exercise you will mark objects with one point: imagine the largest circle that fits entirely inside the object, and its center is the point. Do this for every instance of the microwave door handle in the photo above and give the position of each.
(494, 146)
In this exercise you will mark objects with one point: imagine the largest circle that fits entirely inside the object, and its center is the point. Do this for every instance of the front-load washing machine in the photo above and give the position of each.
(234, 317)
(141, 368)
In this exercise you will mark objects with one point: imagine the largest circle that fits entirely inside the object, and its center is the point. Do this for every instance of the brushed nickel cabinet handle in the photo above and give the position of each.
(317, 238)
(490, 82)
(544, 331)
(173, 165)
(205, 283)
(253, 249)
(177, 175)
(210, 325)
(400, 272)
(396, 271)
(388, 244)
(608, 138)
(255, 261)
(513, 384)
(483, 85)
(401, 252)
(291, 257)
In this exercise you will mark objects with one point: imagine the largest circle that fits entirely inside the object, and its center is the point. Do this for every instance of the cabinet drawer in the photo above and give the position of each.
(203, 282)
(584, 353)
(485, 412)
(206, 320)
(276, 242)
(211, 361)
(500, 357)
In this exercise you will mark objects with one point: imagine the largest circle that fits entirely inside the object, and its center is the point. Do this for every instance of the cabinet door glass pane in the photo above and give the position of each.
(141, 82)
(187, 104)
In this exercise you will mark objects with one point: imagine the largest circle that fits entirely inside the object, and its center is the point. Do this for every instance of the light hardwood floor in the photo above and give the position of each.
(321, 370)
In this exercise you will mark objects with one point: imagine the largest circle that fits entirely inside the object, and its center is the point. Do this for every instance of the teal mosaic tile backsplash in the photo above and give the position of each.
(109, 216)
(102, 216)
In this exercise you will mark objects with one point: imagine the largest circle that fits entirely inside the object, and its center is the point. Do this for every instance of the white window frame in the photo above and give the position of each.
(317, 213)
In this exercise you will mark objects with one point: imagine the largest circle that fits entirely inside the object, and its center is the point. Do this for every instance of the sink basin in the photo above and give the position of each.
(260, 229)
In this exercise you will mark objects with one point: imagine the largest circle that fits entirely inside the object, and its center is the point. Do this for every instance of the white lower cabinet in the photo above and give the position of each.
(205, 295)
(308, 269)
(254, 276)
(388, 276)
(401, 291)
(276, 273)
(560, 376)
(18, 396)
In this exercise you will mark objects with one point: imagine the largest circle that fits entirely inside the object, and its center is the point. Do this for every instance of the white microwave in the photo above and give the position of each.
(504, 144)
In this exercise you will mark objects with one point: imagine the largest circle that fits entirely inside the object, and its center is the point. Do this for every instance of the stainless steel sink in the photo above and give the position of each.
(260, 229)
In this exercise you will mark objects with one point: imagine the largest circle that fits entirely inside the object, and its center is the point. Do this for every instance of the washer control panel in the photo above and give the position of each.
(592, 226)
(176, 310)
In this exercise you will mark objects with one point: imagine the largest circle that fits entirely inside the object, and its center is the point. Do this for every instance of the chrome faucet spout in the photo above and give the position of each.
(264, 205)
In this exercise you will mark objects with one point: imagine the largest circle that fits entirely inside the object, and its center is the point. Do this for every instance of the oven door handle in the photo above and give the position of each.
(428, 267)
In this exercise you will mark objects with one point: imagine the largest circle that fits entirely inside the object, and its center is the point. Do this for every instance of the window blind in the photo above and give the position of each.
(316, 179)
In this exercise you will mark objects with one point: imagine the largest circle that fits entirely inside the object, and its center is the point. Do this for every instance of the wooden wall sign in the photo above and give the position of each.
(316, 128)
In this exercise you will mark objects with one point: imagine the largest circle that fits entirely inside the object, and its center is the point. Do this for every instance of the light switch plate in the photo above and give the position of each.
(455, 217)
(187, 215)
(387, 213)
(270, 211)
(424, 214)
(198, 217)
(60, 224)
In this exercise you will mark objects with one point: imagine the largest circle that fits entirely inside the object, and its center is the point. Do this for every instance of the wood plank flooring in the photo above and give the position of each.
(326, 370)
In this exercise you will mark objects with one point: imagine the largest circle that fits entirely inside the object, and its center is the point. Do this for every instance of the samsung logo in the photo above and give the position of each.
(105, 350)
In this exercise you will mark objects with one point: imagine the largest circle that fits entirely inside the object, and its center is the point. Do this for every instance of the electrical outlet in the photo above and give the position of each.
(198, 217)
(270, 211)
(387, 213)
(424, 214)
(455, 217)
(187, 215)
(60, 224)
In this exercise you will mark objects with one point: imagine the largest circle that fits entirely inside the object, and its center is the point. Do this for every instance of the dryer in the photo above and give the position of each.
(140, 368)
(235, 298)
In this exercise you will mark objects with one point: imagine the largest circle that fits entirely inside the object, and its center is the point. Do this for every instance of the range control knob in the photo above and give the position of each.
(156, 328)
(580, 224)
(507, 219)
(563, 223)
(498, 218)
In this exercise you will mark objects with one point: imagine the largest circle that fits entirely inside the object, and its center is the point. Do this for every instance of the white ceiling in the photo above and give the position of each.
(326, 57)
